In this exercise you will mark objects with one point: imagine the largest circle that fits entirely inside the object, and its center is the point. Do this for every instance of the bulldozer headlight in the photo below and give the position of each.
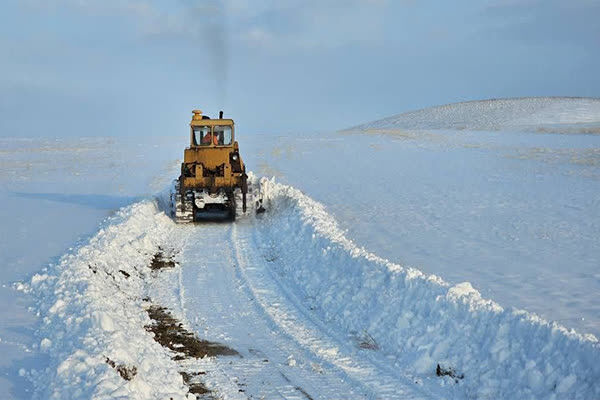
(234, 157)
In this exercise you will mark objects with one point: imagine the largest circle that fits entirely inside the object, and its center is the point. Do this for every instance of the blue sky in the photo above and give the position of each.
(118, 67)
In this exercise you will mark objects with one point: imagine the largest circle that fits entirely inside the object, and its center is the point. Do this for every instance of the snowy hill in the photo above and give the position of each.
(542, 114)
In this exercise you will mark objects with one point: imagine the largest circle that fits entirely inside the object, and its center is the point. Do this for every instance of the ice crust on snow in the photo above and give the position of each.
(541, 114)
(419, 319)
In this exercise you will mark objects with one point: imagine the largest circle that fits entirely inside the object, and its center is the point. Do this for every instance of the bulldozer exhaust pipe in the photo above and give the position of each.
(220, 114)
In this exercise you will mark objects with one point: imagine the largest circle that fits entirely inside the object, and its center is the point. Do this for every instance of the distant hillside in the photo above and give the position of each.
(538, 114)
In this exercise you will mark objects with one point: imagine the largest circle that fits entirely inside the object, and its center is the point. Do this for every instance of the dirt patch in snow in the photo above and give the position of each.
(365, 341)
(193, 383)
(448, 371)
(161, 261)
(127, 373)
(170, 333)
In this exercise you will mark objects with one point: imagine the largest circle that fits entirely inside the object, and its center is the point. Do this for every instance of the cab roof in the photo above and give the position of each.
(212, 122)
(199, 120)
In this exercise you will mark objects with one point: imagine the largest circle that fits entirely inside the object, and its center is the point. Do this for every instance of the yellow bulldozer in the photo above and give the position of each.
(213, 180)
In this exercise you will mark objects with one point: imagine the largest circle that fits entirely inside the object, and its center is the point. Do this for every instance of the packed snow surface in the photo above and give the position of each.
(539, 114)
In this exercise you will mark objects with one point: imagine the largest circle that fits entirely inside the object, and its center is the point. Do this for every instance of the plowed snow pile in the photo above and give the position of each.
(93, 316)
(538, 114)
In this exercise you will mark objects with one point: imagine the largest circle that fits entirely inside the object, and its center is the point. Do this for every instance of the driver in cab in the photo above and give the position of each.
(208, 138)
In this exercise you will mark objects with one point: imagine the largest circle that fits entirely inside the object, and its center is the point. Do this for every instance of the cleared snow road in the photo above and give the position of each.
(229, 294)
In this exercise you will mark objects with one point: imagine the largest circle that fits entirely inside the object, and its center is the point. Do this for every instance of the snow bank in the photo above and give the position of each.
(419, 319)
(544, 114)
(93, 316)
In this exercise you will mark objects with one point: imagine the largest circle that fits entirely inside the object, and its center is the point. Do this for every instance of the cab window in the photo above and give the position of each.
(223, 134)
(202, 135)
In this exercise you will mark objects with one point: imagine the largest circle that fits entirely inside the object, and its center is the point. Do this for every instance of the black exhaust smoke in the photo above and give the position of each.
(214, 37)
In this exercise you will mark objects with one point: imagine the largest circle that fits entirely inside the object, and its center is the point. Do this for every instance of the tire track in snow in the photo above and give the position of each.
(221, 307)
(293, 319)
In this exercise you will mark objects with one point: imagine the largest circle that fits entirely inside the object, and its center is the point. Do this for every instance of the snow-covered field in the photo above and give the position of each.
(353, 285)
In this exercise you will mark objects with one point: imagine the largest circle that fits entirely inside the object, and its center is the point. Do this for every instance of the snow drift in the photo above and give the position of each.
(93, 316)
(419, 319)
(539, 114)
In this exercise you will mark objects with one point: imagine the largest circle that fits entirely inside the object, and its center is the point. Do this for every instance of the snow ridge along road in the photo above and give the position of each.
(312, 315)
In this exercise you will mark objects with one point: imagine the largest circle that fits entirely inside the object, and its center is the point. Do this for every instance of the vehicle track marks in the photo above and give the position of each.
(288, 313)
(220, 306)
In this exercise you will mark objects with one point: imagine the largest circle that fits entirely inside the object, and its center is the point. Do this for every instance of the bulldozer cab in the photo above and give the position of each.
(207, 132)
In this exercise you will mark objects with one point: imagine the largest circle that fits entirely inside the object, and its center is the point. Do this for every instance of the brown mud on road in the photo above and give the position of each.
(183, 344)
(171, 334)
